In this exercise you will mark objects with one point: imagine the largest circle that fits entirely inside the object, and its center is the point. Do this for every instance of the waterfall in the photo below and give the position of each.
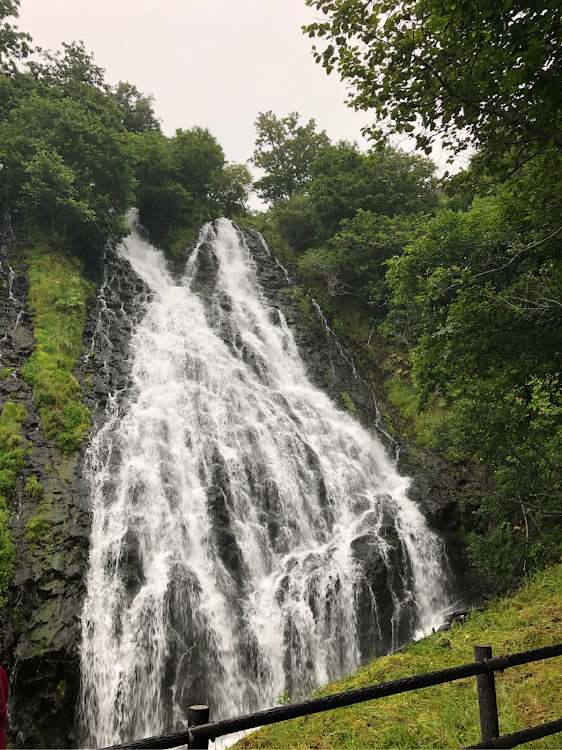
(247, 536)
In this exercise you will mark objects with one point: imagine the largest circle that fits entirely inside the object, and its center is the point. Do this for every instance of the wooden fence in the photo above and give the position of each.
(483, 667)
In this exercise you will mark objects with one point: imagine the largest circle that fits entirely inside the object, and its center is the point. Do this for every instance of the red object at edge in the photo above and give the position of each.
(4, 691)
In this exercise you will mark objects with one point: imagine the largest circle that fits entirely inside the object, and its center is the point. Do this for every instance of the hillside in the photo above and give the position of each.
(446, 715)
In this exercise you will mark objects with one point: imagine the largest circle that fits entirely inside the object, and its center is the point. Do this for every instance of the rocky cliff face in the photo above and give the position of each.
(40, 627)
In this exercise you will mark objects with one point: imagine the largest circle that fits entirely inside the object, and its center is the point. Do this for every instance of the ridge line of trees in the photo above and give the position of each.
(76, 153)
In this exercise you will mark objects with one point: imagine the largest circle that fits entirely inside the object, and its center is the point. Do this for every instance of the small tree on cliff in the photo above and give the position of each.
(285, 150)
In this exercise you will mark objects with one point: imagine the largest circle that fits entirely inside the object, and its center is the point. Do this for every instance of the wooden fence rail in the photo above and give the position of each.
(197, 736)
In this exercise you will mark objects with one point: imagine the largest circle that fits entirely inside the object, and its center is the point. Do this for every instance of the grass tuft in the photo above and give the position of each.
(426, 425)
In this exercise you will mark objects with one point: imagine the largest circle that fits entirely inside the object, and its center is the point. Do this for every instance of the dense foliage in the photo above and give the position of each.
(481, 74)
(285, 150)
(183, 182)
(76, 154)
(13, 43)
(463, 283)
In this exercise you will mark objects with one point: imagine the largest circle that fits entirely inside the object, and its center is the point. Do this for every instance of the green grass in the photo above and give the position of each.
(11, 463)
(33, 488)
(348, 401)
(447, 715)
(426, 425)
(37, 527)
(7, 559)
(57, 298)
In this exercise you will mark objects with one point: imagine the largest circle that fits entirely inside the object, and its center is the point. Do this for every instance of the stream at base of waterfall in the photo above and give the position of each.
(238, 514)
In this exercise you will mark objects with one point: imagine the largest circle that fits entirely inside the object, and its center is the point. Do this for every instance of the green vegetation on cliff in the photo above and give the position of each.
(7, 560)
(11, 463)
(446, 715)
(57, 299)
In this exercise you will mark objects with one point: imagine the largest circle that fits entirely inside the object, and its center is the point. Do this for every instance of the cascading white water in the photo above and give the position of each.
(230, 498)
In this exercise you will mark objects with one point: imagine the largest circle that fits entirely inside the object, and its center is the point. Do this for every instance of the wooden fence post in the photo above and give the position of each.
(489, 724)
(197, 715)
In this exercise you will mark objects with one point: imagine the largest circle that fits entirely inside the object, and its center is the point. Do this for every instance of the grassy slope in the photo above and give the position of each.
(447, 715)
(57, 299)
(11, 463)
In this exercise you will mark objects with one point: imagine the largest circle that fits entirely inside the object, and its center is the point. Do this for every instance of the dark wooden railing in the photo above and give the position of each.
(483, 667)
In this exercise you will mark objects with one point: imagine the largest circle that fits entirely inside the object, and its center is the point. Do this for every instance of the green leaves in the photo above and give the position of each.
(13, 43)
(285, 150)
(485, 336)
(68, 164)
(183, 181)
(485, 74)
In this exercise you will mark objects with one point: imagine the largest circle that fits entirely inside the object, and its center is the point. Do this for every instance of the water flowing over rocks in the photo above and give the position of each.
(285, 550)
(308, 553)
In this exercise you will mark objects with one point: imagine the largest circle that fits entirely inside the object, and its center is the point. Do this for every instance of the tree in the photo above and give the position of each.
(136, 108)
(50, 192)
(197, 159)
(183, 182)
(285, 150)
(68, 162)
(478, 73)
(296, 222)
(13, 43)
(352, 262)
(384, 181)
(69, 68)
(483, 313)
(231, 189)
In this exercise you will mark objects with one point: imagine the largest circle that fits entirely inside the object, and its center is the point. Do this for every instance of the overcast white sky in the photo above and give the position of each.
(213, 63)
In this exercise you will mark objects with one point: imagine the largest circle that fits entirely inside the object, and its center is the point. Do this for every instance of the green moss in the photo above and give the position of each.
(446, 715)
(6, 372)
(11, 463)
(62, 689)
(300, 298)
(7, 558)
(33, 488)
(37, 528)
(58, 294)
(427, 424)
(348, 401)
